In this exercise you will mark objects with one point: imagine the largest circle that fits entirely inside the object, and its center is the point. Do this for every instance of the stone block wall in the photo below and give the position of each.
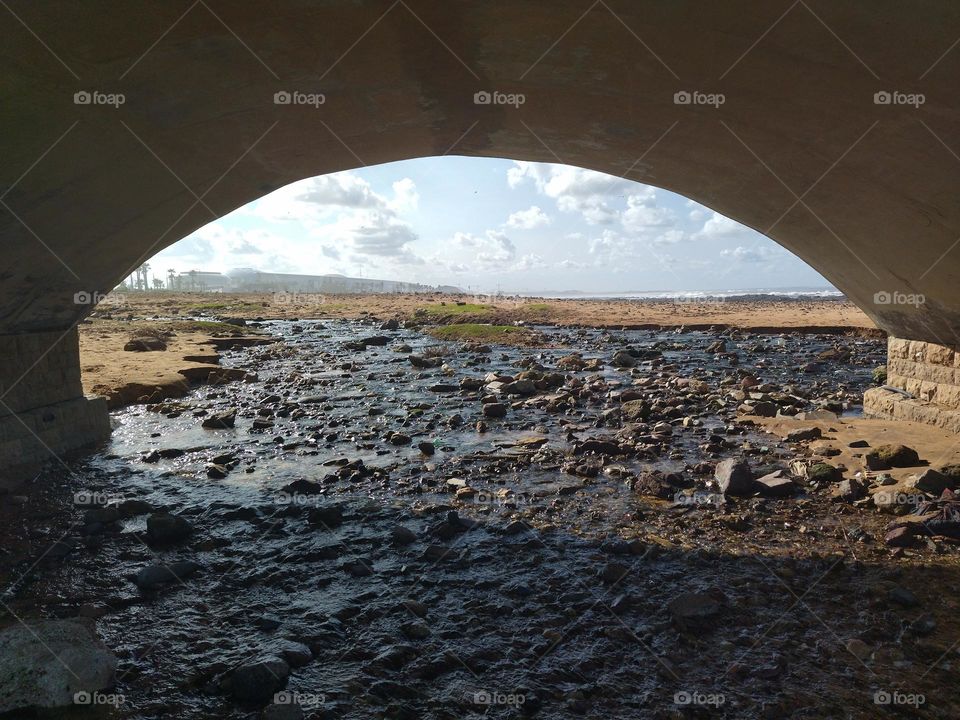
(43, 411)
(38, 369)
(930, 373)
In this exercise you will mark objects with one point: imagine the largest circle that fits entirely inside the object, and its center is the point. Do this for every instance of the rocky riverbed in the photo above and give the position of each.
(380, 524)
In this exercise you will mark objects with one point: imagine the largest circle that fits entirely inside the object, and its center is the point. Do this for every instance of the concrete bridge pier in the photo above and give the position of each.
(43, 411)
(929, 374)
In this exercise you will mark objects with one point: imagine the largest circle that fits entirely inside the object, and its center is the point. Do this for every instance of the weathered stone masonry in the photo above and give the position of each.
(930, 373)
(43, 411)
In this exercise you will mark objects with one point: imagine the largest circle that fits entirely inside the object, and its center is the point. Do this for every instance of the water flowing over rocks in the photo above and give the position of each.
(402, 528)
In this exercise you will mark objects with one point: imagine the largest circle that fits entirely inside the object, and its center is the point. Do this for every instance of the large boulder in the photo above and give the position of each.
(258, 681)
(891, 456)
(734, 477)
(44, 664)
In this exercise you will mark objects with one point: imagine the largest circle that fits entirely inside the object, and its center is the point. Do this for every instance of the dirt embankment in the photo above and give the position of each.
(169, 359)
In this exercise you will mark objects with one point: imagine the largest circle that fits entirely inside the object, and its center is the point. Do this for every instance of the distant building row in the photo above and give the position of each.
(247, 280)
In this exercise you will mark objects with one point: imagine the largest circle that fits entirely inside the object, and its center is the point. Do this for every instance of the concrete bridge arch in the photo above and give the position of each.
(829, 126)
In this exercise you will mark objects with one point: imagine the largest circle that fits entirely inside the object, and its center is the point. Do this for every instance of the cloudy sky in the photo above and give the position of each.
(484, 224)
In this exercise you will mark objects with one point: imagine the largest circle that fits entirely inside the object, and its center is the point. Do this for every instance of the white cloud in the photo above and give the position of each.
(720, 226)
(755, 254)
(405, 195)
(575, 190)
(531, 261)
(643, 213)
(528, 219)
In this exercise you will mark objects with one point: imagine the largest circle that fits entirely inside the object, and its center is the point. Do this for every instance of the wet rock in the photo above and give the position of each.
(694, 610)
(443, 388)
(43, 664)
(427, 448)
(358, 567)
(635, 410)
(164, 528)
(402, 535)
(399, 439)
(810, 433)
(296, 654)
(933, 482)
(494, 410)
(132, 508)
(394, 657)
(597, 447)
(654, 484)
(391, 324)
(221, 421)
(258, 681)
(154, 576)
(415, 630)
(761, 408)
(520, 387)
(891, 456)
(623, 359)
(302, 487)
(217, 472)
(285, 710)
(470, 384)
(327, 517)
(374, 340)
(777, 484)
(734, 477)
(423, 363)
(614, 572)
(104, 515)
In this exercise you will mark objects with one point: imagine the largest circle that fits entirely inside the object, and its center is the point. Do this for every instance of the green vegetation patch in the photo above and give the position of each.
(508, 334)
(454, 309)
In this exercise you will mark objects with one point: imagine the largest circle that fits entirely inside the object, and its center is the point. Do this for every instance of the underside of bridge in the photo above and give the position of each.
(830, 126)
